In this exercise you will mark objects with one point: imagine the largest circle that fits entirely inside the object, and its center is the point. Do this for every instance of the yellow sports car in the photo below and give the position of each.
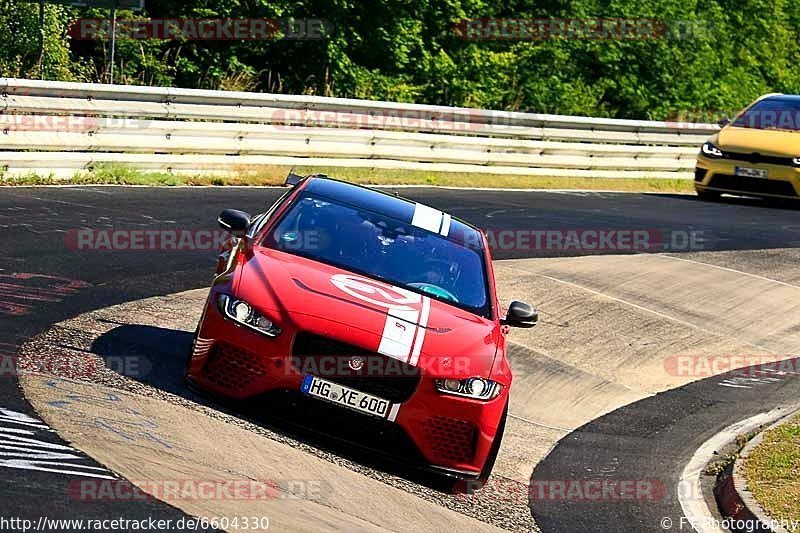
(756, 154)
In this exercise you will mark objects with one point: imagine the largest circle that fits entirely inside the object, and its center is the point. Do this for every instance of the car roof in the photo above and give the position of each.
(378, 201)
(783, 97)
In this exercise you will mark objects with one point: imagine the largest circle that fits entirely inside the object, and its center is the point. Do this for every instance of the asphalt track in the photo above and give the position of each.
(652, 438)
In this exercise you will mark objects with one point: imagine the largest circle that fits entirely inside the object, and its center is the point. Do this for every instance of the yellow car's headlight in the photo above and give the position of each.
(712, 151)
(796, 162)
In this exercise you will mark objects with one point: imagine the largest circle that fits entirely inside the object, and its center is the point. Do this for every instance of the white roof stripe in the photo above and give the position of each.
(445, 225)
(427, 218)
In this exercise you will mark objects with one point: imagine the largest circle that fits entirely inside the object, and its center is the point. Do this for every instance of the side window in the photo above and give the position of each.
(261, 220)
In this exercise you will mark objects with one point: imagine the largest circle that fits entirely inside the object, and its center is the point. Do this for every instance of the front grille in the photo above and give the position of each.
(758, 158)
(752, 185)
(232, 368)
(324, 418)
(700, 174)
(378, 375)
(450, 439)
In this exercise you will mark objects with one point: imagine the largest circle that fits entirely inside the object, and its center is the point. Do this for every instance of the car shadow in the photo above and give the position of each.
(157, 357)
(742, 201)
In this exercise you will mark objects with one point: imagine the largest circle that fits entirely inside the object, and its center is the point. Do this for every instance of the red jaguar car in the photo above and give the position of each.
(353, 306)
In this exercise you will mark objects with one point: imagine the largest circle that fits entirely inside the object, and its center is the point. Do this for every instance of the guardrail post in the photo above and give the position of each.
(113, 40)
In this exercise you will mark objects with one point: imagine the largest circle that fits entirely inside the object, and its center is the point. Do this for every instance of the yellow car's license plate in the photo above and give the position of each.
(751, 172)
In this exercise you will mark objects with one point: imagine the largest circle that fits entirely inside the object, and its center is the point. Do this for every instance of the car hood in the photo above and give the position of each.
(767, 142)
(374, 315)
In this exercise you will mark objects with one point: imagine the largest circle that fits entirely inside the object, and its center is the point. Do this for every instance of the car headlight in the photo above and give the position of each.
(709, 150)
(475, 388)
(796, 162)
(243, 313)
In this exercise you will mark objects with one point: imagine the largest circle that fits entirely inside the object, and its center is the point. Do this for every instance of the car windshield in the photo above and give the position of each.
(776, 112)
(448, 269)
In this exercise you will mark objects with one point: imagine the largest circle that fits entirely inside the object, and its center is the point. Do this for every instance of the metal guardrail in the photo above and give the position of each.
(61, 128)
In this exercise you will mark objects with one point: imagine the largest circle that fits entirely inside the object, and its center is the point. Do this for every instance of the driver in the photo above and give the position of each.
(440, 273)
(435, 275)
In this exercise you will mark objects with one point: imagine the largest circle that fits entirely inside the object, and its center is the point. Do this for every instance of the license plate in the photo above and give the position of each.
(345, 396)
(750, 172)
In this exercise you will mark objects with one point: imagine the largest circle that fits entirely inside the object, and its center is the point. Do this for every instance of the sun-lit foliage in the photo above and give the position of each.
(717, 56)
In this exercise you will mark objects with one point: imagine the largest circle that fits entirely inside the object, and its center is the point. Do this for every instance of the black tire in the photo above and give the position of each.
(708, 196)
(472, 486)
(488, 466)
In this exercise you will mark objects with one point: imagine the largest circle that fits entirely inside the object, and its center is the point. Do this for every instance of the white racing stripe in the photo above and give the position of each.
(404, 332)
(445, 225)
(431, 219)
(398, 333)
(402, 338)
(423, 323)
(427, 218)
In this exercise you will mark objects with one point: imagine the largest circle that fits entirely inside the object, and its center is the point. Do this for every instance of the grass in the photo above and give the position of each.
(773, 471)
(126, 175)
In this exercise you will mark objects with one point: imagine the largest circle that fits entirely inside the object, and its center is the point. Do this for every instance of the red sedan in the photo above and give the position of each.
(365, 308)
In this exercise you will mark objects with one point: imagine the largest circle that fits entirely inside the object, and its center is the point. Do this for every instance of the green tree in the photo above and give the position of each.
(20, 34)
(715, 54)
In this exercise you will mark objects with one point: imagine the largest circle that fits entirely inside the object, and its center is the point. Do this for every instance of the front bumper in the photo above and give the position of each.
(451, 434)
(720, 175)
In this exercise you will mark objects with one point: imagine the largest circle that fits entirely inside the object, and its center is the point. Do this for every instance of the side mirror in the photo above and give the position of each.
(292, 179)
(521, 315)
(234, 221)
(724, 121)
